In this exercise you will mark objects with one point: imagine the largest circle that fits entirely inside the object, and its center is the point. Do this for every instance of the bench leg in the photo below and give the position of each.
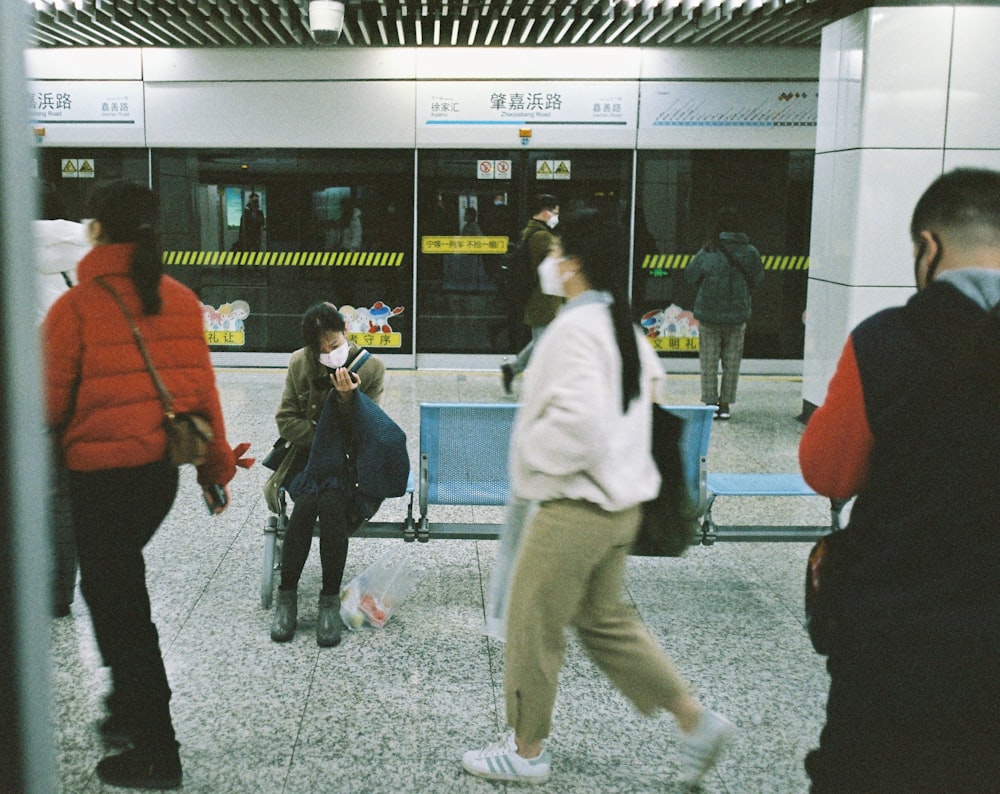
(708, 530)
(836, 507)
(267, 566)
(409, 526)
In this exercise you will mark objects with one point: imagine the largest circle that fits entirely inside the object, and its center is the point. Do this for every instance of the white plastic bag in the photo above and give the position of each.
(519, 513)
(374, 594)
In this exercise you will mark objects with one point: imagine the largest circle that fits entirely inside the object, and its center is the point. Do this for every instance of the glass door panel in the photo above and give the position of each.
(261, 235)
(458, 307)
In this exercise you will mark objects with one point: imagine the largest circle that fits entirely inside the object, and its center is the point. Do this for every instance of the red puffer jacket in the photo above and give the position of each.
(98, 388)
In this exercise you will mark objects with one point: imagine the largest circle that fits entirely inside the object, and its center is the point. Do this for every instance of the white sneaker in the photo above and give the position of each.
(702, 747)
(500, 761)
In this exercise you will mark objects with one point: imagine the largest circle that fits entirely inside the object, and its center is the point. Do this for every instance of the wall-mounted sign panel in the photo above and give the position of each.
(725, 114)
(83, 113)
(597, 112)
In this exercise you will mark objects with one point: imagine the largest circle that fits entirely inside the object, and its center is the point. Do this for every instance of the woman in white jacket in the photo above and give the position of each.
(581, 449)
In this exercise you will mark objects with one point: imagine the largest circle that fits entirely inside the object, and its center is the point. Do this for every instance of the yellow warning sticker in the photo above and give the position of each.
(674, 344)
(391, 339)
(463, 245)
(225, 337)
(86, 170)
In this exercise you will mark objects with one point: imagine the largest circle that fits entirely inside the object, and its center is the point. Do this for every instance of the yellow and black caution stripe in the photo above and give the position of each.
(666, 261)
(285, 258)
(680, 261)
(786, 263)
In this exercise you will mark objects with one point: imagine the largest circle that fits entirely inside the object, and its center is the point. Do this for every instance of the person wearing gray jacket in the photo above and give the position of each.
(724, 273)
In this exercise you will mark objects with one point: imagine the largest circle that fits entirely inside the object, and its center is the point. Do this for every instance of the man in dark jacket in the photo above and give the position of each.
(911, 424)
(540, 308)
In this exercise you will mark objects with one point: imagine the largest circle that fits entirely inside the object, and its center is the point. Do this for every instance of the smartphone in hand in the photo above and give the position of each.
(215, 497)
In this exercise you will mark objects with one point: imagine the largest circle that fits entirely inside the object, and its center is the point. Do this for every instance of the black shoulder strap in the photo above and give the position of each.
(736, 263)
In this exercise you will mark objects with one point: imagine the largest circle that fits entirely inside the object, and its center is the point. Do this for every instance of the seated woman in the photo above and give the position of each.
(313, 371)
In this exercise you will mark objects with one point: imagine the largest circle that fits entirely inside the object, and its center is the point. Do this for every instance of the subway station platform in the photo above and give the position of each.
(392, 710)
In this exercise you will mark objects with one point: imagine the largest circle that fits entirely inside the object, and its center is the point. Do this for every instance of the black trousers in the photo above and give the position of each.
(911, 717)
(330, 507)
(115, 513)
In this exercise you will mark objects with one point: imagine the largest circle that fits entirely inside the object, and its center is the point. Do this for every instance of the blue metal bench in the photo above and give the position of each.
(463, 462)
(762, 484)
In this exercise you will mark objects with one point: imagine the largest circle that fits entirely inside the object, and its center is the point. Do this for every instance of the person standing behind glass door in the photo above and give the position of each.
(252, 224)
(724, 273)
(540, 308)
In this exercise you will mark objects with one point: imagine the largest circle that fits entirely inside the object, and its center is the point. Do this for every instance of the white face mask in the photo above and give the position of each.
(550, 280)
(551, 222)
(336, 358)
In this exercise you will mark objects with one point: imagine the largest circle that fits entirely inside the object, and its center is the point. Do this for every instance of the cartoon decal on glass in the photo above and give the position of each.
(224, 326)
(369, 326)
(672, 329)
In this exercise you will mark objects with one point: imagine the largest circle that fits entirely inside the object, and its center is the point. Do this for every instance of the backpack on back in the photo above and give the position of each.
(515, 278)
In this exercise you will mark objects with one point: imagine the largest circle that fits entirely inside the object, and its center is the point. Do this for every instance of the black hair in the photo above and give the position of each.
(318, 319)
(961, 198)
(596, 242)
(543, 201)
(727, 219)
(126, 212)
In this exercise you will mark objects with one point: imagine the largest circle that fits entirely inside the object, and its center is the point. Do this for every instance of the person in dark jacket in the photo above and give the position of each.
(107, 414)
(540, 308)
(724, 273)
(313, 371)
(911, 424)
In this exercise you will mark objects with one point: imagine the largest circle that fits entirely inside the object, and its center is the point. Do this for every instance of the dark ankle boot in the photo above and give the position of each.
(286, 609)
(142, 768)
(328, 621)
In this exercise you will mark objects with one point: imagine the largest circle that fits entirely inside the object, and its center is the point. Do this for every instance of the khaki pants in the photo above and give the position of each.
(569, 572)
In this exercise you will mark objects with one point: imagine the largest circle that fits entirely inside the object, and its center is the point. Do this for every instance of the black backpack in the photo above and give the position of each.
(515, 278)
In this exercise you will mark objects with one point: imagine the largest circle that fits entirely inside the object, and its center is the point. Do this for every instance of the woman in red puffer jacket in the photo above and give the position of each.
(104, 408)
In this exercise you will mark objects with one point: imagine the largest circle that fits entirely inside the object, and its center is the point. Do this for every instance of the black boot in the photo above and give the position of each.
(286, 608)
(328, 621)
(142, 768)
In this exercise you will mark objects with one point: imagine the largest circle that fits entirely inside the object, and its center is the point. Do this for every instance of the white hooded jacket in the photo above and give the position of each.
(59, 246)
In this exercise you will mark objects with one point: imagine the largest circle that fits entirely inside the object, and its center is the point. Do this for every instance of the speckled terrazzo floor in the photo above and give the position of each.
(392, 710)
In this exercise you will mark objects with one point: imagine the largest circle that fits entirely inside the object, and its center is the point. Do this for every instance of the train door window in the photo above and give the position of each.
(469, 204)
(261, 235)
(678, 194)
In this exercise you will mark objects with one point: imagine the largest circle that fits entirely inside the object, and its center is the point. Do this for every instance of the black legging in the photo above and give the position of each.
(334, 533)
(115, 513)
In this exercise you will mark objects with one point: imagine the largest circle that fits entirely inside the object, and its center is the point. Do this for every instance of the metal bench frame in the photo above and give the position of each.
(463, 462)
(762, 484)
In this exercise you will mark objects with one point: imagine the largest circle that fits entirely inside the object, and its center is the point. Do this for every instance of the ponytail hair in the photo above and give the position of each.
(596, 241)
(126, 212)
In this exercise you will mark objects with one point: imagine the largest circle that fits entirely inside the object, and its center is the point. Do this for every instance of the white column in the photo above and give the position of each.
(905, 95)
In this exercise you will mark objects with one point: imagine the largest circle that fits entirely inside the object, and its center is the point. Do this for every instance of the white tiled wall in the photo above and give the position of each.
(974, 97)
(905, 81)
(905, 94)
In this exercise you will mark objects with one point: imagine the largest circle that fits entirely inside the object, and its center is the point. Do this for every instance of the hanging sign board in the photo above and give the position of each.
(71, 111)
